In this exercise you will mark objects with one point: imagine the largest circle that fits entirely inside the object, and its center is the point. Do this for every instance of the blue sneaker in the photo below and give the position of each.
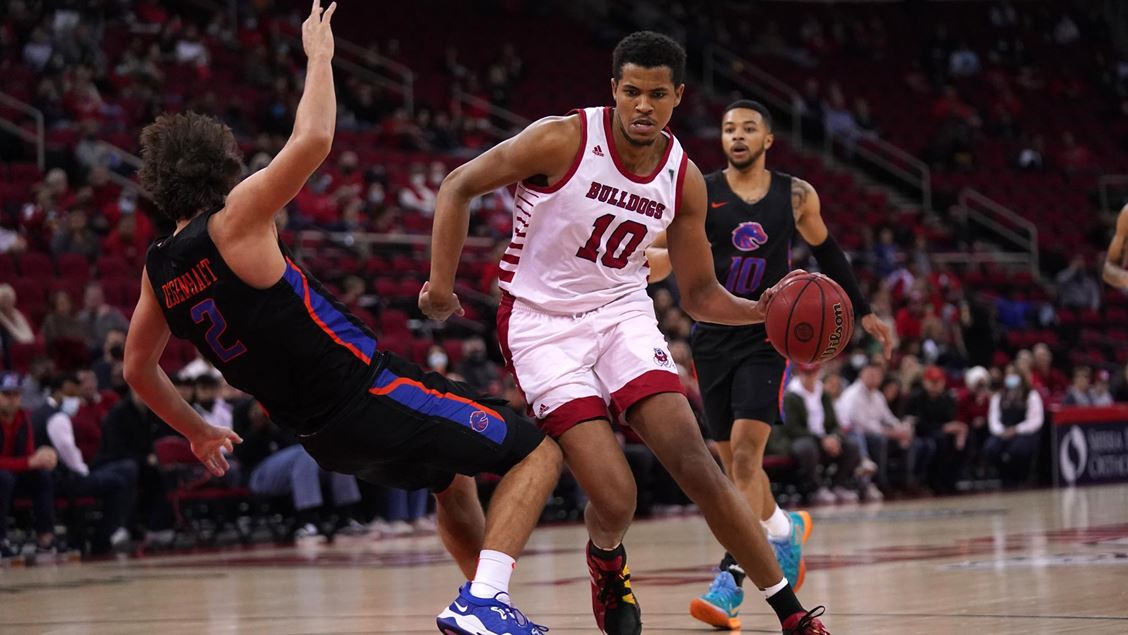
(469, 615)
(789, 550)
(720, 607)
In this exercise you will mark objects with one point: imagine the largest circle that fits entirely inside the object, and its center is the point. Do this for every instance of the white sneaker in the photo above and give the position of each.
(307, 531)
(845, 495)
(161, 538)
(424, 525)
(873, 494)
(399, 528)
(379, 528)
(867, 468)
(119, 538)
(353, 528)
(823, 497)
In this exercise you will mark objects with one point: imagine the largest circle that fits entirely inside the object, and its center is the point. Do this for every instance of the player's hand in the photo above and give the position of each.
(317, 35)
(439, 306)
(760, 309)
(210, 445)
(881, 332)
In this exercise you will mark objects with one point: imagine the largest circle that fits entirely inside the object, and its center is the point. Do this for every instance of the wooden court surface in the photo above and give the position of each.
(1034, 562)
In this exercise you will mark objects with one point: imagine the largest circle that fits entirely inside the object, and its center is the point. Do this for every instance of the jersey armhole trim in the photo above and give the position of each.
(681, 182)
(575, 161)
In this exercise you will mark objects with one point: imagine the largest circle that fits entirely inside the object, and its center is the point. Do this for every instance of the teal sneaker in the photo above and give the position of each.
(789, 551)
(720, 607)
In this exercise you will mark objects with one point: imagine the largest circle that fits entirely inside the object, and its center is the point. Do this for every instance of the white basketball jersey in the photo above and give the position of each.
(581, 243)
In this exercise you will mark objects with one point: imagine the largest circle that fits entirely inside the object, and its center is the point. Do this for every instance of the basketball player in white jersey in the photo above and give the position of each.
(1114, 271)
(594, 190)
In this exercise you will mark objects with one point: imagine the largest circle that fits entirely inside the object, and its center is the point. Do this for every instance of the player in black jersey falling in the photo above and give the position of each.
(224, 281)
(754, 215)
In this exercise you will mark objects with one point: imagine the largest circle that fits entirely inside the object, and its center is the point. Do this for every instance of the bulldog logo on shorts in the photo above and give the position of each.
(661, 358)
(479, 421)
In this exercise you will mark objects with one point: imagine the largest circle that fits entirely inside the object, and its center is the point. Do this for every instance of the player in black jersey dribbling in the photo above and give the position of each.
(754, 216)
(224, 281)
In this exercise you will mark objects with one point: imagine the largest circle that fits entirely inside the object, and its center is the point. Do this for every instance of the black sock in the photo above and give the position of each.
(728, 563)
(604, 554)
(785, 604)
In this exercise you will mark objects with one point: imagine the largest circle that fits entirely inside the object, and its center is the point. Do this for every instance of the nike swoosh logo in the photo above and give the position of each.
(716, 205)
(460, 607)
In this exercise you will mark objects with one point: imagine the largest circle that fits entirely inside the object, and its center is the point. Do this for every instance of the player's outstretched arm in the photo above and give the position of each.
(256, 200)
(702, 297)
(809, 221)
(547, 147)
(1114, 272)
(148, 335)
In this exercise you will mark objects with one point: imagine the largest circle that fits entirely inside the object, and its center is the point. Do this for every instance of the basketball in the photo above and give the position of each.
(810, 320)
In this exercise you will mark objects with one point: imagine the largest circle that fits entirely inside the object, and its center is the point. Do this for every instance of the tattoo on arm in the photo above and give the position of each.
(800, 189)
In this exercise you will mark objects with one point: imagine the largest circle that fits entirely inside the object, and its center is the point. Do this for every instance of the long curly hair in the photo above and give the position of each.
(190, 163)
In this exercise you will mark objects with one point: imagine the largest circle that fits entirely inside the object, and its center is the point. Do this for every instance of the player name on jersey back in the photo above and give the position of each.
(580, 243)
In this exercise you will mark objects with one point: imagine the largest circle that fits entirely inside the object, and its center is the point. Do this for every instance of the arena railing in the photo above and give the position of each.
(118, 161)
(876, 153)
(987, 215)
(37, 138)
(514, 122)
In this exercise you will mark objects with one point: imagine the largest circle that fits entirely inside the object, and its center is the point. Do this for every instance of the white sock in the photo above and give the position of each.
(778, 524)
(492, 577)
(775, 588)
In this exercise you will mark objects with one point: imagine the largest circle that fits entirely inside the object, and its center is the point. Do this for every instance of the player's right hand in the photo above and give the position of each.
(210, 444)
(317, 35)
(767, 294)
(439, 306)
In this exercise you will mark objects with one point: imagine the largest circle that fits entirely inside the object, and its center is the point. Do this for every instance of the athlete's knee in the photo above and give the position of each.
(747, 463)
(614, 499)
(547, 456)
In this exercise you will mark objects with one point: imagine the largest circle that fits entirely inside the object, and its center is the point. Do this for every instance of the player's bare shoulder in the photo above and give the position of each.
(802, 193)
(551, 144)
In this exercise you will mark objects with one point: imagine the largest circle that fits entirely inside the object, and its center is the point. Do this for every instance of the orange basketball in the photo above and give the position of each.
(810, 320)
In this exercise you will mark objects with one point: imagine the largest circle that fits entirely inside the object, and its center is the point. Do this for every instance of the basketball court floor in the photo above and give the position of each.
(1033, 562)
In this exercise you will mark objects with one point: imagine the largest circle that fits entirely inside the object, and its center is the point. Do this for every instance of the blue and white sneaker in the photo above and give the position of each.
(469, 615)
(720, 606)
(789, 550)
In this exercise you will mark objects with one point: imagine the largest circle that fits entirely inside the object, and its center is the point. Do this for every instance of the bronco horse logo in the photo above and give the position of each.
(749, 236)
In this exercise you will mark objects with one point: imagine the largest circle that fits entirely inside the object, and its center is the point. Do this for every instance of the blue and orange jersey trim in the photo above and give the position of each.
(329, 318)
(783, 381)
(465, 412)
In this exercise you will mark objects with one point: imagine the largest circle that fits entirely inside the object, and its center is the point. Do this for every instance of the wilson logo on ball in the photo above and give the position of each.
(835, 340)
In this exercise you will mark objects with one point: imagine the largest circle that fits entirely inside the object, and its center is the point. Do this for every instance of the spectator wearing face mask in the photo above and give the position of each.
(1015, 417)
(113, 483)
(113, 352)
(478, 370)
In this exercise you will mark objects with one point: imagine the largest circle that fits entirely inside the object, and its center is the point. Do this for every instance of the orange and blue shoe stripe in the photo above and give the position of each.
(465, 412)
(327, 316)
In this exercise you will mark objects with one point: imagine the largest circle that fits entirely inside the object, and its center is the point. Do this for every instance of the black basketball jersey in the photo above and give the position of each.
(292, 346)
(751, 242)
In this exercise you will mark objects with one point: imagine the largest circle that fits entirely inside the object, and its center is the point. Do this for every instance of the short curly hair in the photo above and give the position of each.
(649, 50)
(190, 163)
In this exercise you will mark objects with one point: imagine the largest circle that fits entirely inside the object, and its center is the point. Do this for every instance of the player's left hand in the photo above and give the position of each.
(760, 310)
(210, 445)
(880, 331)
(439, 306)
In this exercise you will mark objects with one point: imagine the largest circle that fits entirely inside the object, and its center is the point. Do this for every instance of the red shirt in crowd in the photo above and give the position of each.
(18, 443)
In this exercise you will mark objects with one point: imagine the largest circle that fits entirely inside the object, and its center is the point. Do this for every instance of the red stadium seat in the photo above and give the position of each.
(36, 265)
(73, 267)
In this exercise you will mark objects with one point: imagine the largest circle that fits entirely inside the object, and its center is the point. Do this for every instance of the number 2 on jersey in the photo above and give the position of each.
(590, 250)
(208, 310)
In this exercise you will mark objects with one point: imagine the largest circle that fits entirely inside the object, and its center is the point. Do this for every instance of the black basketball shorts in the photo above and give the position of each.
(738, 382)
(414, 429)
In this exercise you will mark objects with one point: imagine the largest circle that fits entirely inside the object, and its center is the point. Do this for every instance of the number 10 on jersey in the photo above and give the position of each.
(745, 274)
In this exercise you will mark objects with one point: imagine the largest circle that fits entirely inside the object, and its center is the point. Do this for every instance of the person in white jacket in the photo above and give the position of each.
(1015, 418)
(864, 414)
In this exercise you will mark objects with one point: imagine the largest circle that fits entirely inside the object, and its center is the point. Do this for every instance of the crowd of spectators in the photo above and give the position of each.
(956, 404)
